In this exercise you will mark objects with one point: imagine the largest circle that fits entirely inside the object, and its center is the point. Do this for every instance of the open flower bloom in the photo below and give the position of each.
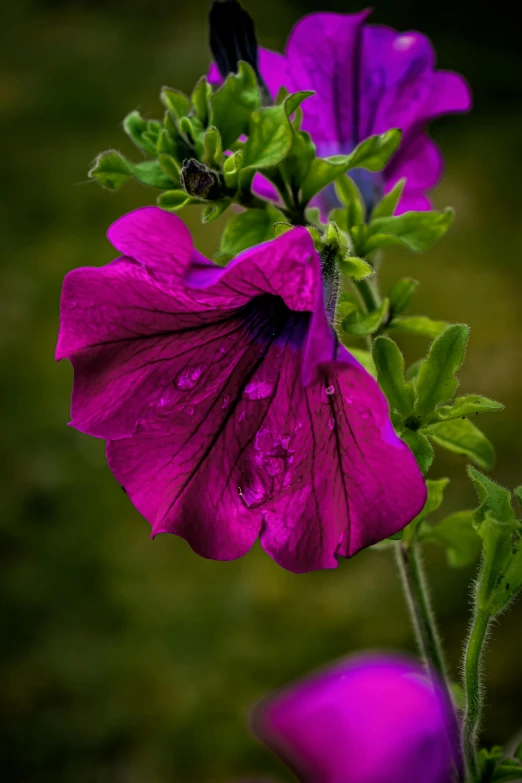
(230, 409)
(369, 719)
(367, 79)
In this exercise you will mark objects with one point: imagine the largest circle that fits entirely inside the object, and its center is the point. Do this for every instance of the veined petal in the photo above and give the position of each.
(420, 162)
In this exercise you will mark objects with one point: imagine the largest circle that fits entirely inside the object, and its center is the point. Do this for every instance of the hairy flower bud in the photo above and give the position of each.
(199, 180)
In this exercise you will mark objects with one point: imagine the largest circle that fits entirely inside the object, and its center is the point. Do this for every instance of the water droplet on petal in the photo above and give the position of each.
(222, 350)
(258, 390)
(188, 378)
(189, 410)
(242, 416)
(226, 400)
(330, 390)
(348, 400)
(331, 422)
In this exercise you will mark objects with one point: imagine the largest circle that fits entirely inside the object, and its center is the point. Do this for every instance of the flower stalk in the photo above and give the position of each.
(474, 691)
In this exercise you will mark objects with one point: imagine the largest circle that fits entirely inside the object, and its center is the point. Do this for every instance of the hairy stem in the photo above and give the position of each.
(369, 294)
(473, 690)
(418, 599)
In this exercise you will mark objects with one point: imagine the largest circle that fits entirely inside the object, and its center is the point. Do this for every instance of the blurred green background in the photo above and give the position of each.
(129, 661)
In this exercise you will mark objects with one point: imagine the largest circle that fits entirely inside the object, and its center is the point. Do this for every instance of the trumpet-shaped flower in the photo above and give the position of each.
(230, 409)
(366, 720)
(367, 79)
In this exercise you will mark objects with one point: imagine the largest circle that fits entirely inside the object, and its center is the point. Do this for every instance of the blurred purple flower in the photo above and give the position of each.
(367, 79)
(368, 719)
(230, 409)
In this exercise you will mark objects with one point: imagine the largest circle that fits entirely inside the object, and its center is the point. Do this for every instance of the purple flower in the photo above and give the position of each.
(368, 79)
(366, 720)
(230, 409)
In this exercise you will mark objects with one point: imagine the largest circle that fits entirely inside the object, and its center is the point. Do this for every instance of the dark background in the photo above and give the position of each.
(129, 661)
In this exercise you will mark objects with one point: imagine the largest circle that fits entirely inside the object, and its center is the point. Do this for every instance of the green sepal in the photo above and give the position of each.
(214, 210)
(270, 134)
(296, 165)
(456, 534)
(136, 127)
(111, 170)
(389, 362)
(436, 382)
(361, 324)
(231, 168)
(352, 201)
(388, 204)
(401, 294)
(421, 448)
(248, 229)
(507, 771)
(355, 267)
(174, 200)
(495, 500)
(462, 437)
(176, 102)
(233, 104)
(470, 405)
(419, 325)
(419, 231)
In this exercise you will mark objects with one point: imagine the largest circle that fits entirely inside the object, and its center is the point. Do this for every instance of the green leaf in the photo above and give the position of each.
(506, 772)
(389, 362)
(462, 437)
(413, 370)
(386, 207)
(213, 155)
(457, 535)
(322, 172)
(170, 167)
(470, 405)
(435, 496)
(111, 170)
(296, 165)
(418, 324)
(270, 135)
(518, 494)
(201, 100)
(174, 200)
(135, 127)
(374, 152)
(360, 324)
(419, 231)
(401, 294)
(176, 102)
(421, 447)
(354, 267)
(233, 104)
(214, 210)
(365, 358)
(248, 229)
(436, 382)
(494, 498)
(350, 197)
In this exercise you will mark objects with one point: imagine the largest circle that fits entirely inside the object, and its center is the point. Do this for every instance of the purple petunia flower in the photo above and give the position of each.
(368, 719)
(367, 79)
(230, 409)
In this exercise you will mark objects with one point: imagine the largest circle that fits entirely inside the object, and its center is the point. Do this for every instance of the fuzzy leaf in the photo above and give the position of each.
(470, 405)
(436, 382)
(350, 197)
(174, 200)
(248, 229)
(374, 152)
(457, 535)
(354, 267)
(387, 205)
(360, 324)
(421, 447)
(176, 102)
(135, 127)
(401, 294)
(111, 170)
(233, 104)
(462, 437)
(389, 362)
(419, 231)
(418, 324)
(270, 135)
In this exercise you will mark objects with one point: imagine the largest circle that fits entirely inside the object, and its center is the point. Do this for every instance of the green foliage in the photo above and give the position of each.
(111, 170)
(401, 294)
(361, 324)
(386, 207)
(436, 382)
(500, 577)
(351, 199)
(248, 229)
(462, 437)
(418, 231)
(470, 405)
(174, 200)
(421, 448)
(418, 324)
(233, 104)
(270, 133)
(455, 533)
(389, 363)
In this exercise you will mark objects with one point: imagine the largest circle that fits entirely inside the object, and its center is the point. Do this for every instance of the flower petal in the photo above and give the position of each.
(367, 719)
(419, 160)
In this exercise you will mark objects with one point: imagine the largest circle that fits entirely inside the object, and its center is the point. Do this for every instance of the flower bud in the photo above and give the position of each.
(199, 180)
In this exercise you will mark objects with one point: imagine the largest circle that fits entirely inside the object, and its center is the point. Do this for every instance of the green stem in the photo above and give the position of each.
(474, 691)
(369, 294)
(423, 619)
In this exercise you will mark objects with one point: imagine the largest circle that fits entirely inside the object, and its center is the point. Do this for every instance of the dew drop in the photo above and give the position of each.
(331, 422)
(258, 390)
(189, 410)
(222, 350)
(330, 390)
(188, 378)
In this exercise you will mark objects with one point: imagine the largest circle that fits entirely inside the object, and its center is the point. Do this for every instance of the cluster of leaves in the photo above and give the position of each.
(424, 408)
(495, 767)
